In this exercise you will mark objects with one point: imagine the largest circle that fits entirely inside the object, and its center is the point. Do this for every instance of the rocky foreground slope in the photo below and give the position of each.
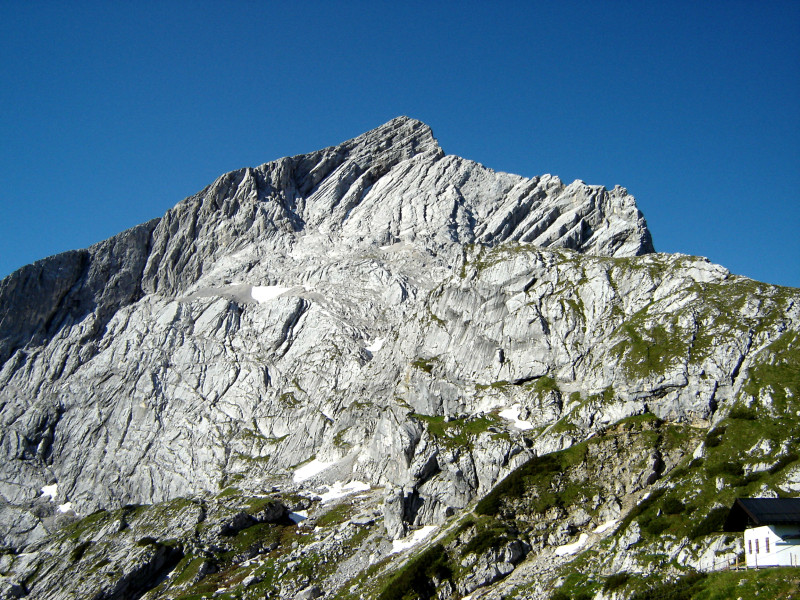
(380, 371)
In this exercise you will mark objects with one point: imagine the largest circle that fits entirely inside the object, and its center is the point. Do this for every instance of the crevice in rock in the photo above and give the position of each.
(136, 584)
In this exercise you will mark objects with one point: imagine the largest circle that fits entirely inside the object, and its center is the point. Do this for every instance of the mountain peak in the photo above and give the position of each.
(398, 139)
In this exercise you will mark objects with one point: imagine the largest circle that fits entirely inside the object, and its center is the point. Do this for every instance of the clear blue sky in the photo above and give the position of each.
(112, 112)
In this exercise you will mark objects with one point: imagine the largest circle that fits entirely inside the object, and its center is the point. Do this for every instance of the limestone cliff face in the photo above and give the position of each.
(405, 318)
(133, 370)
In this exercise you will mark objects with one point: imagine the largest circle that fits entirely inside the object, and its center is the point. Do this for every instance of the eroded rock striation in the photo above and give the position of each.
(377, 314)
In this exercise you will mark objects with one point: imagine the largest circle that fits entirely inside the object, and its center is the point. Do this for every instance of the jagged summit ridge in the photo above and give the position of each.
(388, 185)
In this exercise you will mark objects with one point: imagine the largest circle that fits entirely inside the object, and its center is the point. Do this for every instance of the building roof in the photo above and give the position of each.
(755, 512)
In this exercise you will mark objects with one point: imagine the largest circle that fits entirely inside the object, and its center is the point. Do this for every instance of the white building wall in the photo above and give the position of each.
(765, 547)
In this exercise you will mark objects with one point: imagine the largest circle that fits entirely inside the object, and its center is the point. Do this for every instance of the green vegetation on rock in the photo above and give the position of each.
(457, 433)
(413, 580)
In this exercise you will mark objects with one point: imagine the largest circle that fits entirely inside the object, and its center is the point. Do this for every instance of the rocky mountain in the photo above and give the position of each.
(379, 371)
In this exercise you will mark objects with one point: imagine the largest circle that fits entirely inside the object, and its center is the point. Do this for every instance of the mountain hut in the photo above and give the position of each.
(771, 529)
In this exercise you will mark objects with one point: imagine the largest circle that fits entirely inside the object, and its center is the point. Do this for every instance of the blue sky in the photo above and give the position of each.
(111, 113)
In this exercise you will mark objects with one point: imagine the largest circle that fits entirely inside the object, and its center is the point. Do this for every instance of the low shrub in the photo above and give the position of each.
(747, 479)
(673, 506)
(713, 522)
(488, 538)
(617, 580)
(726, 468)
(147, 541)
(79, 550)
(514, 484)
(640, 508)
(714, 437)
(654, 526)
(744, 414)
(413, 580)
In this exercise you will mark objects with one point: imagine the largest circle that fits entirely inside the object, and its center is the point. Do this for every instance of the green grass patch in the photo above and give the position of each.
(229, 492)
(89, 523)
(651, 502)
(728, 454)
(336, 515)
(289, 399)
(188, 569)
(775, 582)
(256, 539)
(576, 585)
(78, 551)
(783, 462)
(423, 365)
(561, 479)
(457, 432)
(636, 421)
(646, 351)
(681, 589)
(256, 504)
(545, 385)
(413, 580)
(495, 385)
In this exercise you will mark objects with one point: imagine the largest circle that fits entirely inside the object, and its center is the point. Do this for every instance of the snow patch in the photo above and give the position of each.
(698, 452)
(265, 293)
(412, 540)
(66, 507)
(308, 470)
(339, 490)
(512, 414)
(376, 345)
(606, 526)
(298, 516)
(572, 548)
(50, 490)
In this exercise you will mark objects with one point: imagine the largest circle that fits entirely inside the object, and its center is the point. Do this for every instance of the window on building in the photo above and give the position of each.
(766, 545)
(749, 546)
(756, 546)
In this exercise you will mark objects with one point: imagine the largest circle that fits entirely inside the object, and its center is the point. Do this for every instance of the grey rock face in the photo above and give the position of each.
(143, 368)
(309, 593)
(494, 564)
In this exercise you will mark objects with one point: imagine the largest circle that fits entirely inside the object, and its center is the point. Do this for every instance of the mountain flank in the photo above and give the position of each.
(380, 371)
